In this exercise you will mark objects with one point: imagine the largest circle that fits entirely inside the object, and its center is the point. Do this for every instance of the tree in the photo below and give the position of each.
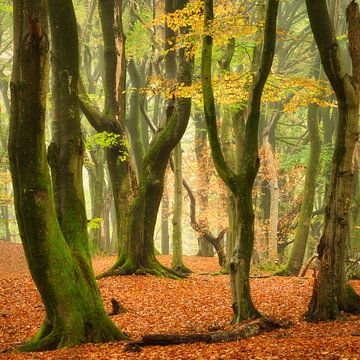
(112, 119)
(331, 294)
(302, 231)
(240, 183)
(59, 264)
(137, 255)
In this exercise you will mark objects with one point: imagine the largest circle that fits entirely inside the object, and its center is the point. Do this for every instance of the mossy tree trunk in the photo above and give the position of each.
(331, 294)
(57, 256)
(240, 184)
(138, 254)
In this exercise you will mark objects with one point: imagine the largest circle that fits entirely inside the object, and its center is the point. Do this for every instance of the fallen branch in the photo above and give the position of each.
(250, 329)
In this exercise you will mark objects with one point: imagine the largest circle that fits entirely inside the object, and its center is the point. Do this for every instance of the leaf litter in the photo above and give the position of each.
(200, 303)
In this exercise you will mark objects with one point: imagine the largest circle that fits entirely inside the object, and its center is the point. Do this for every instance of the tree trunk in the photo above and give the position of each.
(59, 265)
(96, 185)
(6, 220)
(134, 123)
(270, 165)
(113, 118)
(202, 159)
(330, 292)
(165, 224)
(240, 184)
(138, 254)
(177, 258)
(302, 231)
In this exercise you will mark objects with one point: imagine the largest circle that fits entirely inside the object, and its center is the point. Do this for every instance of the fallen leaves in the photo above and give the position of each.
(200, 303)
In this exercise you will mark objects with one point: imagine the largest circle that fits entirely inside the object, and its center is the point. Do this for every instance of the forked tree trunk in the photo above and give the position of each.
(138, 254)
(331, 294)
(113, 117)
(240, 184)
(59, 265)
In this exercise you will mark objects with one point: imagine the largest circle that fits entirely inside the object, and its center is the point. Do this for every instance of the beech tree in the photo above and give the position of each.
(55, 244)
(240, 183)
(138, 255)
(331, 293)
(112, 119)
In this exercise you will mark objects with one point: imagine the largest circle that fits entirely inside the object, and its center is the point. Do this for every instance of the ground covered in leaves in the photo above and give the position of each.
(199, 303)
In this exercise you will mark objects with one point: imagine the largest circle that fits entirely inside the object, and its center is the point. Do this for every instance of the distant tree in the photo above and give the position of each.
(56, 250)
(297, 254)
(112, 119)
(331, 294)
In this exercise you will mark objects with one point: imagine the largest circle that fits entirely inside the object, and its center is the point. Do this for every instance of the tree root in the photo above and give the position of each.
(247, 330)
(182, 270)
(70, 336)
(153, 268)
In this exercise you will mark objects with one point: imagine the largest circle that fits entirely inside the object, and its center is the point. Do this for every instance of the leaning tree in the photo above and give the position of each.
(331, 294)
(55, 244)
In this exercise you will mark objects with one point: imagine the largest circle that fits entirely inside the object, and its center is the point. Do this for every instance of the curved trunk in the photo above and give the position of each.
(60, 266)
(240, 185)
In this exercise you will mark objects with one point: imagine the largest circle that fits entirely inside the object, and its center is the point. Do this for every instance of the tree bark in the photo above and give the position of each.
(270, 165)
(165, 224)
(134, 123)
(59, 265)
(250, 329)
(202, 159)
(177, 263)
(331, 294)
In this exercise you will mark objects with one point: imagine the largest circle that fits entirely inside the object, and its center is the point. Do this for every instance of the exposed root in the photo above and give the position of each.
(59, 338)
(152, 268)
(183, 270)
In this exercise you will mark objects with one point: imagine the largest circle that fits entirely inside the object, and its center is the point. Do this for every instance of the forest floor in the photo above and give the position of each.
(199, 303)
